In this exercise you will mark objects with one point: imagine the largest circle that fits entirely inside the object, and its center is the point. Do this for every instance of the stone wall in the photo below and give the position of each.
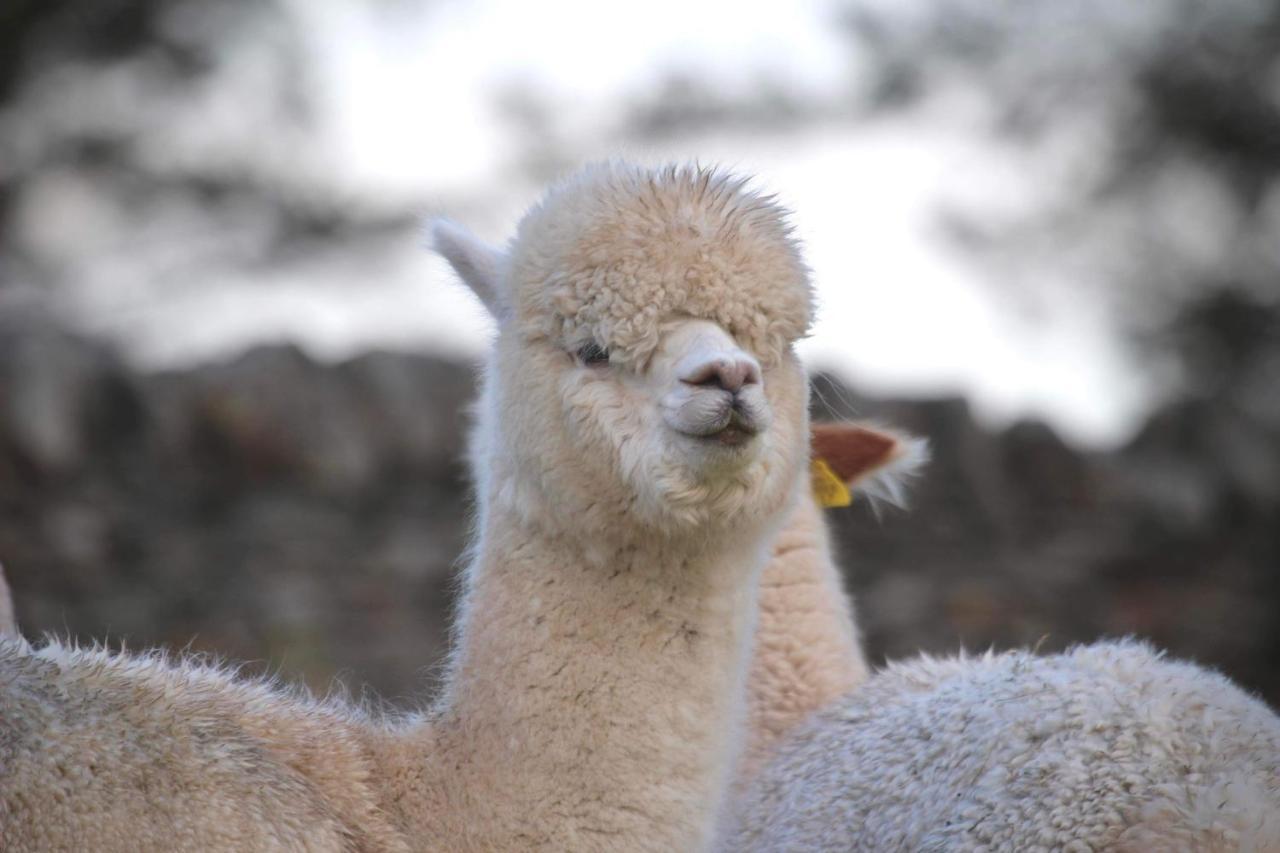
(307, 517)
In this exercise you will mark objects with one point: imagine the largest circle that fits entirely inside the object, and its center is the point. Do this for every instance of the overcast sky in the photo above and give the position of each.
(409, 108)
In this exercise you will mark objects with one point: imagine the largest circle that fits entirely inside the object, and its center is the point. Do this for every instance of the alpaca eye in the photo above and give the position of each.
(592, 355)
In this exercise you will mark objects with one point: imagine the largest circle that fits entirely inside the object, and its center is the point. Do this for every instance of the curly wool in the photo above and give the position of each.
(616, 250)
(1104, 747)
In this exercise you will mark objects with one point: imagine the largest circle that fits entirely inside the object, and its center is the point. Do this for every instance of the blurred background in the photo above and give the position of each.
(1046, 237)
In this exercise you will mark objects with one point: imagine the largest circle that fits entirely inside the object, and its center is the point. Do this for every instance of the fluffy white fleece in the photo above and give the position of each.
(597, 680)
(1105, 747)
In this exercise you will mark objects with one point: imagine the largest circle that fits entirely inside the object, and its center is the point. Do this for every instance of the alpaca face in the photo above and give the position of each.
(701, 437)
(644, 365)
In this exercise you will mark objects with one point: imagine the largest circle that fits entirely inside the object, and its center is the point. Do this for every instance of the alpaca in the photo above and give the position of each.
(1142, 753)
(640, 437)
(1104, 747)
(807, 648)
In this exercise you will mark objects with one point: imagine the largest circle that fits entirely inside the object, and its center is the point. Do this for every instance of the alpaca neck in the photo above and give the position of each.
(596, 691)
(807, 651)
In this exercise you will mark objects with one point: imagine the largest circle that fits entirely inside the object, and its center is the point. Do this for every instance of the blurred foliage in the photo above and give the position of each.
(181, 135)
(165, 141)
(1165, 116)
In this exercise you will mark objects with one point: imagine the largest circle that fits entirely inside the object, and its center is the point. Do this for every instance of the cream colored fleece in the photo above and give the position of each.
(1105, 747)
(596, 691)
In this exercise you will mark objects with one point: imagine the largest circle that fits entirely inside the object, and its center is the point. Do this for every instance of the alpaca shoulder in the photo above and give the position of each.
(127, 738)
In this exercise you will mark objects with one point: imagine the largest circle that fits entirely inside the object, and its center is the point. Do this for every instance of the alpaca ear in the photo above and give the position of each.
(875, 460)
(478, 264)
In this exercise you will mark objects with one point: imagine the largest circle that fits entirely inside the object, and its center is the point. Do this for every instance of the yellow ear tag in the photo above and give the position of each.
(828, 489)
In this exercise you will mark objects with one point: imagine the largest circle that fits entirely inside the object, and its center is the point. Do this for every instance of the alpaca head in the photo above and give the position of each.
(644, 364)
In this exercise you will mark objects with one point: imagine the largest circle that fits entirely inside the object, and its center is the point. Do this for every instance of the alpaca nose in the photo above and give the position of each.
(729, 372)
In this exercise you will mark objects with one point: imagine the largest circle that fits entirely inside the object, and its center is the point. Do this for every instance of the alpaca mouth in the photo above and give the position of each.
(735, 428)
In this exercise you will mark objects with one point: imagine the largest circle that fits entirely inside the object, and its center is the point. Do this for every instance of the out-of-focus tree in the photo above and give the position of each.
(1152, 134)
(156, 144)
(1155, 133)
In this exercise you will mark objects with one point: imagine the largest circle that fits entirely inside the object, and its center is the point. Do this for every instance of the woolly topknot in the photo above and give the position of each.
(613, 252)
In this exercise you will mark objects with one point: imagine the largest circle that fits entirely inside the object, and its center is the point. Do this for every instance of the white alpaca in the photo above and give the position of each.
(641, 435)
(1105, 747)
(1108, 746)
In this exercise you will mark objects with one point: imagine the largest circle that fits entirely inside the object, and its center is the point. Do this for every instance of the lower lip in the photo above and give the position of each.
(730, 437)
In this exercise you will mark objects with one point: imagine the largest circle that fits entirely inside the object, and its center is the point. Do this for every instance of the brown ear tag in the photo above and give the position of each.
(828, 489)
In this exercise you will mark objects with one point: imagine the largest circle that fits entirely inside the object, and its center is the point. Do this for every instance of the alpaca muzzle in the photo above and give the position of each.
(717, 392)
(720, 416)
